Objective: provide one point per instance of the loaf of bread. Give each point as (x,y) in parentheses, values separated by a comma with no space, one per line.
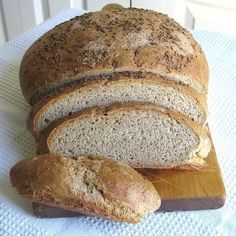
(124,87)
(140,135)
(89,185)
(101,43)
(129,85)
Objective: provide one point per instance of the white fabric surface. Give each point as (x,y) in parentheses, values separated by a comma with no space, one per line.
(15,143)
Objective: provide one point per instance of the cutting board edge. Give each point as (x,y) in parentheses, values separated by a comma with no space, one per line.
(169,205)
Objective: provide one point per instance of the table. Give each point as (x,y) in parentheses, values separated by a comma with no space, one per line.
(16,216)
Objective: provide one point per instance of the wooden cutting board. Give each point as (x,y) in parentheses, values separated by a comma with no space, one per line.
(180,190)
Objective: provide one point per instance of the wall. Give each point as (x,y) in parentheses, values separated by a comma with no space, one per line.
(16,16)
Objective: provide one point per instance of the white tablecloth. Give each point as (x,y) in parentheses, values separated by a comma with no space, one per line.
(16,217)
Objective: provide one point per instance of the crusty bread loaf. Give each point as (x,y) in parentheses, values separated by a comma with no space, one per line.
(107,41)
(120,88)
(93,186)
(141,135)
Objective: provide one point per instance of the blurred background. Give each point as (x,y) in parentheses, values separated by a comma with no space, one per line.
(16,16)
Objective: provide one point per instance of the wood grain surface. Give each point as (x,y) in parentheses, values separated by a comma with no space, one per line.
(180,190)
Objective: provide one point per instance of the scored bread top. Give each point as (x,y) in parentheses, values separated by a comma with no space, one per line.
(61,103)
(90,185)
(201,150)
(107,41)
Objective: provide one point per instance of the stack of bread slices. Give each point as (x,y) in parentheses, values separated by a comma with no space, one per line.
(129,85)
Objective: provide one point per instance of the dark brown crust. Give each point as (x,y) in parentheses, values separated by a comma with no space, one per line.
(51,180)
(104,82)
(43,139)
(147,41)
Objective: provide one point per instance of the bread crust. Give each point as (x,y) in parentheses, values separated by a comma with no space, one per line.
(43,140)
(109,41)
(38,108)
(63,182)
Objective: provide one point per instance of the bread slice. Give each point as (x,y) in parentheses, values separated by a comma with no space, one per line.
(105,92)
(138,134)
(89,185)
(107,41)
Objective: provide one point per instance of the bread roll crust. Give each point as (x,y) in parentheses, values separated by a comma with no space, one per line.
(90,185)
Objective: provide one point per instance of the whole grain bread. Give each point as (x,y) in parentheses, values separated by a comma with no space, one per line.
(96,43)
(120,88)
(90,185)
(138,134)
